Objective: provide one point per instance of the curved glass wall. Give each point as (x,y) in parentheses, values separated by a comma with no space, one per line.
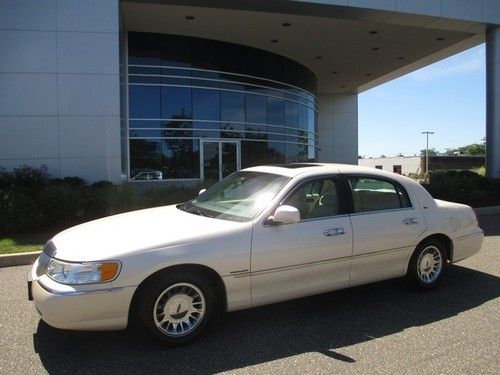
(196,103)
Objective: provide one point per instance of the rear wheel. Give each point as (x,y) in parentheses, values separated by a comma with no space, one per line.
(427,265)
(175,307)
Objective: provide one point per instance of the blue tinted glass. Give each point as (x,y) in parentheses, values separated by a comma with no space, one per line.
(256,108)
(275,111)
(145,156)
(180,158)
(143,124)
(291,153)
(232,106)
(206,104)
(275,153)
(291,114)
(144,102)
(176,102)
(311,118)
(303,117)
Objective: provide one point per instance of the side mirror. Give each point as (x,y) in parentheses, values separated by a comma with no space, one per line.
(202,191)
(285,215)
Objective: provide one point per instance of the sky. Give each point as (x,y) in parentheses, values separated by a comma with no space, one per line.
(447,97)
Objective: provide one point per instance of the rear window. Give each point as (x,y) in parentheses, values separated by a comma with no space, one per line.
(373,194)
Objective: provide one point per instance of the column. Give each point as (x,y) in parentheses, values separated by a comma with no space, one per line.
(493,102)
(338,128)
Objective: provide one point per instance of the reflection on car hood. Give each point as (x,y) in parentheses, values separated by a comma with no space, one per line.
(115,236)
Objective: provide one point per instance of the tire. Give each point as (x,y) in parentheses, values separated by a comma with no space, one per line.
(175,307)
(427,265)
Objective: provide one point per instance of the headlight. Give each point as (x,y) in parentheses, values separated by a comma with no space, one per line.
(82,273)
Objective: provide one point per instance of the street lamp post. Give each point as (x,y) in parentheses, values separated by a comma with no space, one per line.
(427,155)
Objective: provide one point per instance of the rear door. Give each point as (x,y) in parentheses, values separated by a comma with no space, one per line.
(385,227)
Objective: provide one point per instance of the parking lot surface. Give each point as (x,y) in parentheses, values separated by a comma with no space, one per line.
(378,328)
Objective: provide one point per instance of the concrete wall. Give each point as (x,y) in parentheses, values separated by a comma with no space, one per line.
(59,87)
(338,128)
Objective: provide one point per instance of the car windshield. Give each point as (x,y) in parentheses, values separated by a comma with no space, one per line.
(239,197)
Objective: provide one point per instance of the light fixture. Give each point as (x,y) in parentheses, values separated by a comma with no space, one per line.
(286,24)
(375,49)
(440,39)
(319,57)
(373,32)
(189,18)
(401,57)
(368,74)
(343,86)
(334,72)
(274,40)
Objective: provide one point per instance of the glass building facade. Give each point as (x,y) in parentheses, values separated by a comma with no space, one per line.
(201,109)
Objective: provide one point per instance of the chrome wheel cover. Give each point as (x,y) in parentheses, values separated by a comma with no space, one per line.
(429,264)
(179,309)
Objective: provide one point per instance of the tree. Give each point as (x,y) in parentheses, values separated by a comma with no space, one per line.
(472,149)
(432,152)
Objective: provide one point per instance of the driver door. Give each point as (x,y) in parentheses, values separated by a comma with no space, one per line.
(308,257)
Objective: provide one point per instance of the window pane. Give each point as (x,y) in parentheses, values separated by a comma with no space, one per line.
(180,158)
(371,194)
(256,115)
(275,153)
(206,104)
(275,111)
(315,199)
(253,153)
(145,159)
(144,102)
(232,106)
(303,117)
(176,102)
(291,114)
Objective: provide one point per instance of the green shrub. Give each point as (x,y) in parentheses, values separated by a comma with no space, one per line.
(465,187)
(31,201)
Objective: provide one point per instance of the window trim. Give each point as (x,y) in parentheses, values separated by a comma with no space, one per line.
(352,211)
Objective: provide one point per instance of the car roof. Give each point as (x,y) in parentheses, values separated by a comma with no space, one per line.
(297,169)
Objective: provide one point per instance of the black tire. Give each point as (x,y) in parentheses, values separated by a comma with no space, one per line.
(174,289)
(427,265)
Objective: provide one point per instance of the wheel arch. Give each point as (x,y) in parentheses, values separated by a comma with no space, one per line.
(444,239)
(213,276)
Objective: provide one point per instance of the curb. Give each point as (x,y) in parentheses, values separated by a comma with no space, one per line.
(18,259)
(487,210)
(22,259)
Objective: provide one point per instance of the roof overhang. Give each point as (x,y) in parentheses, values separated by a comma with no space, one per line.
(349,49)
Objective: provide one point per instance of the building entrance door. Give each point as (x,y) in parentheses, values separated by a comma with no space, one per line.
(219,159)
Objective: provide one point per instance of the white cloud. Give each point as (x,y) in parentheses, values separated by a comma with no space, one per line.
(462,64)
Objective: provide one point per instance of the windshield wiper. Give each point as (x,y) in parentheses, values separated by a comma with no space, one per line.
(192,209)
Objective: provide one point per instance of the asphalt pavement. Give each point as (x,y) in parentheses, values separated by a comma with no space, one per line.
(379,328)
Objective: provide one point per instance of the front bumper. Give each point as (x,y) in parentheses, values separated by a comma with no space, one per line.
(85,309)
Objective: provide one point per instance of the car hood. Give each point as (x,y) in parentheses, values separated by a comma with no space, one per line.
(137,231)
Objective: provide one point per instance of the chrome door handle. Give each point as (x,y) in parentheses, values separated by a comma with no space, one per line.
(334,232)
(410,220)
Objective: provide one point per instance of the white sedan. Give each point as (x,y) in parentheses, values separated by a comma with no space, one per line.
(262,235)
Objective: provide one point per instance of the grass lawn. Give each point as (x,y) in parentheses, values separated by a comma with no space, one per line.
(23,243)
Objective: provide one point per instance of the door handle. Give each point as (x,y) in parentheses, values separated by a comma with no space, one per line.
(334,232)
(410,220)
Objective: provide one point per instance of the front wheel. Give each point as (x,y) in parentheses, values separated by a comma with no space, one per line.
(427,265)
(176,307)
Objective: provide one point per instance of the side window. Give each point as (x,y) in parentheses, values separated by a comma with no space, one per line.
(372,194)
(315,199)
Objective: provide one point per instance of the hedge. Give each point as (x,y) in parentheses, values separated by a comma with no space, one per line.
(464,186)
(32,201)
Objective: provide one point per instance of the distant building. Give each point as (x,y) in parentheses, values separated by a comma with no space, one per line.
(416,164)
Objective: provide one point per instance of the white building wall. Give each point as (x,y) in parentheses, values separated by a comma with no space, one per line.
(338,128)
(59,87)
(409,164)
